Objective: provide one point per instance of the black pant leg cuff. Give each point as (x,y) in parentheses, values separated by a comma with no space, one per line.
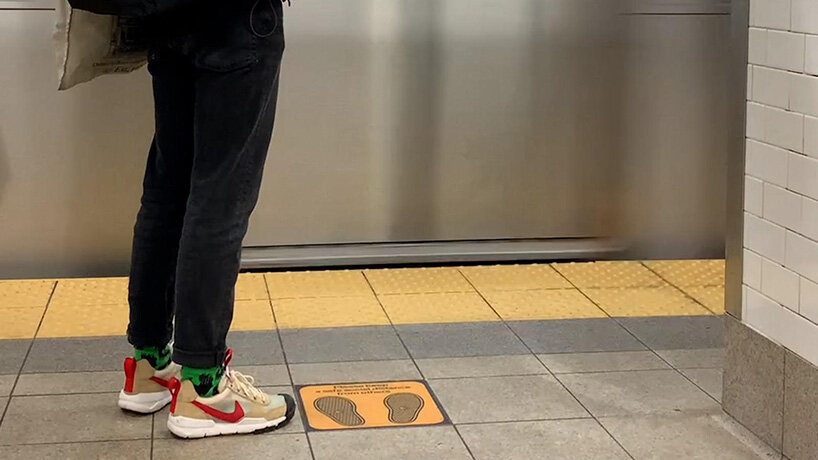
(199,360)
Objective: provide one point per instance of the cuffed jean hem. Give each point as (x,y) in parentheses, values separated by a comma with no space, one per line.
(198,360)
(145,342)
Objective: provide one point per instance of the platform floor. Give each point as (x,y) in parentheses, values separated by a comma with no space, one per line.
(568,361)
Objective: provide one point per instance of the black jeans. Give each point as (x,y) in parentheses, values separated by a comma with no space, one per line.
(215,75)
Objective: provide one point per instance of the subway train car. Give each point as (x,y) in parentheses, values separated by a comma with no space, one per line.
(430,131)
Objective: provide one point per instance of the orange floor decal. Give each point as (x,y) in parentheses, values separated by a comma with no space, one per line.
(369,405)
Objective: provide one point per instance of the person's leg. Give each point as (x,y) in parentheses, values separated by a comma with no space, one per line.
(237,60)
(159,222)
(156,236)
(236,86)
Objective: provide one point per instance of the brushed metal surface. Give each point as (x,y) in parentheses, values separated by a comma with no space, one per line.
(431,252)
(70,162)
(444,120)
(425,122)
(737,94)
(677,112)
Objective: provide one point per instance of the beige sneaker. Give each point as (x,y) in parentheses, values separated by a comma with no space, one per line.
(239,407)
(146,389)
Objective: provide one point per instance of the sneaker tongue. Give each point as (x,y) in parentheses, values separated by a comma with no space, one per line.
(223,383)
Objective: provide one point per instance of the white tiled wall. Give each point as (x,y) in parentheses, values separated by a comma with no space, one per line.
(781,182)
(811,55)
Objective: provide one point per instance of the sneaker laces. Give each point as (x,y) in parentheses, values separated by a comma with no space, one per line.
(244,385)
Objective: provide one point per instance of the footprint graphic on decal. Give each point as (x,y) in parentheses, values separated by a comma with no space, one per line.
(403,407)
(339,409)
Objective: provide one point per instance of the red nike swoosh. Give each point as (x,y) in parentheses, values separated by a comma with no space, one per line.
(163,382)
(238,412)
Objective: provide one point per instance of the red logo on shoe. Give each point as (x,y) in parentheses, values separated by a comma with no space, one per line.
(174,386)
(163,382)
(130,374)
(238,412)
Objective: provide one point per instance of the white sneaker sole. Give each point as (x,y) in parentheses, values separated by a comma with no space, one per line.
(185,427)
(144,403)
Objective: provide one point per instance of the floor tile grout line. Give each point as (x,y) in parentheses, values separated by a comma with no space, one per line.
(411,357)
(508,326)
(302,412)
(429,379)
(528,420)
(556,353)
(582,290)
(647,347)
(655,369)
(394,328)
(85,441)
(492,376)
(548,370)
(28,351)
(658,275)
(551,373)
(468,356)
(699,368)
(112,369)
(562,384)
(708,313)
(783,400)
(78,393)
(672,367)
(463,440)
(482,296)
(402,358)
(555,377)
(678,288)
(593,416)
(584,407)
(701,388)
(153,430)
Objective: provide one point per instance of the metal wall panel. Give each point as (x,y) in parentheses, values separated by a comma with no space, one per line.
(70,162)
(675,154)
(453,120)
(425,121)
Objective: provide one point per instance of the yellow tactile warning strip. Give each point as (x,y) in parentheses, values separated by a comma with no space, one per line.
(20,322)
(22,304)
(252,315)
(543,304)
(659,301)
(25,293)
(417,280)
(711,297)
(329,312)
(251,287)
(339,298)
(438,307)
(369,405)
(91,291)
(514,277)
(78,320)
(689,273)
(338,283)
(609,274)
(87,307)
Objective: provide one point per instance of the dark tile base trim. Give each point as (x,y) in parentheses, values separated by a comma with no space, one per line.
(754,382)
(771,391)
(800,408)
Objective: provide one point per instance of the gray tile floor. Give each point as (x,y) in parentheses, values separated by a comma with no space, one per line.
(578,389)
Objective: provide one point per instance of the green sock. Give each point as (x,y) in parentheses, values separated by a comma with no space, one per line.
(206,381)
(158,357)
